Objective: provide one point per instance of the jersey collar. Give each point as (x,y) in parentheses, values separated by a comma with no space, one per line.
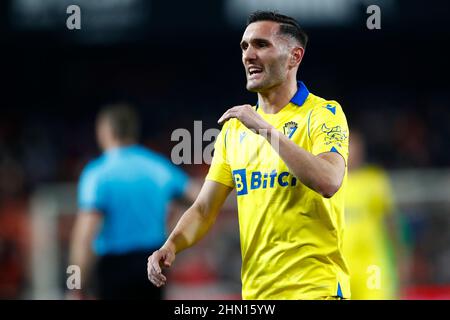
(299,97)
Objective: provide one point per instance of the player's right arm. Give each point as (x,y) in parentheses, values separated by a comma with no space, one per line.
(191,227)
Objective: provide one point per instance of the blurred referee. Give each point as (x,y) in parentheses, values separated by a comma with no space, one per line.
(123,197)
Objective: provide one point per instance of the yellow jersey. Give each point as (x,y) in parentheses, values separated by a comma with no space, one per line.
(291,236)
(366,248)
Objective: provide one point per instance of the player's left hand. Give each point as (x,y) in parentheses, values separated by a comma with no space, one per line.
(248,116)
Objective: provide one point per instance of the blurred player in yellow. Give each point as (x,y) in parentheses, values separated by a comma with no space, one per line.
(286,158)
(371,237)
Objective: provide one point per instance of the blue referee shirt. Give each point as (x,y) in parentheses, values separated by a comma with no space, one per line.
(132,186)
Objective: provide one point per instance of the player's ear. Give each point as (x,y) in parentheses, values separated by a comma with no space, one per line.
(296,56)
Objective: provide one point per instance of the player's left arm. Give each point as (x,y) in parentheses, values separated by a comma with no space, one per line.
(323,172)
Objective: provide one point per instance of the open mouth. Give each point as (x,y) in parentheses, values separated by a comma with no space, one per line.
(254,71)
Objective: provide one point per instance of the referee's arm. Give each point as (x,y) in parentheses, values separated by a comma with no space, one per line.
(81,254)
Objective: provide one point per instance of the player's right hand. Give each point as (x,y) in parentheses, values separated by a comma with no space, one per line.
(160,258)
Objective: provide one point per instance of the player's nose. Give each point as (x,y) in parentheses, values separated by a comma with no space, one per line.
(249,54)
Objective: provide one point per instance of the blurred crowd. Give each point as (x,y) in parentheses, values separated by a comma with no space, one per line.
(36,148)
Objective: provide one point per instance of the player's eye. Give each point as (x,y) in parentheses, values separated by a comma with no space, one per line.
(262,44)
(244,46)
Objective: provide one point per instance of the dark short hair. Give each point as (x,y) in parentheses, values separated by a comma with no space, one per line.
(123,120)
(288,26)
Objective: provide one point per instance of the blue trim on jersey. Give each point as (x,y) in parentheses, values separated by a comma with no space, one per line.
(339,291)
(333,149)
(331,108)
(299,97)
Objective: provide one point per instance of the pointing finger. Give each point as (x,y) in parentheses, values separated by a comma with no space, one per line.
(227,115)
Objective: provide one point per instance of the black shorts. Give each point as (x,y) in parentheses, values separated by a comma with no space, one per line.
(124,276)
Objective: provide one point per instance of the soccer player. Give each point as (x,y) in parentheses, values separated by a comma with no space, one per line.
(286,157)
(123,198)
(372,244)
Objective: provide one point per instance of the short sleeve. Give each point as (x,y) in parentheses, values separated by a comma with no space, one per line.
(328,129)
(179,181)
(90,195)
(220,170)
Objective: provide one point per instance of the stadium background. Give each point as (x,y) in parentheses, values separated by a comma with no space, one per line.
(180,61)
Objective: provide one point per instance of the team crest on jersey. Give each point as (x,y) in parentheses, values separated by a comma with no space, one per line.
(334,135)
(289,128)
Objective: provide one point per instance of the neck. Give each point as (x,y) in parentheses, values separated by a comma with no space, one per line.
(113,144)
(277,97)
